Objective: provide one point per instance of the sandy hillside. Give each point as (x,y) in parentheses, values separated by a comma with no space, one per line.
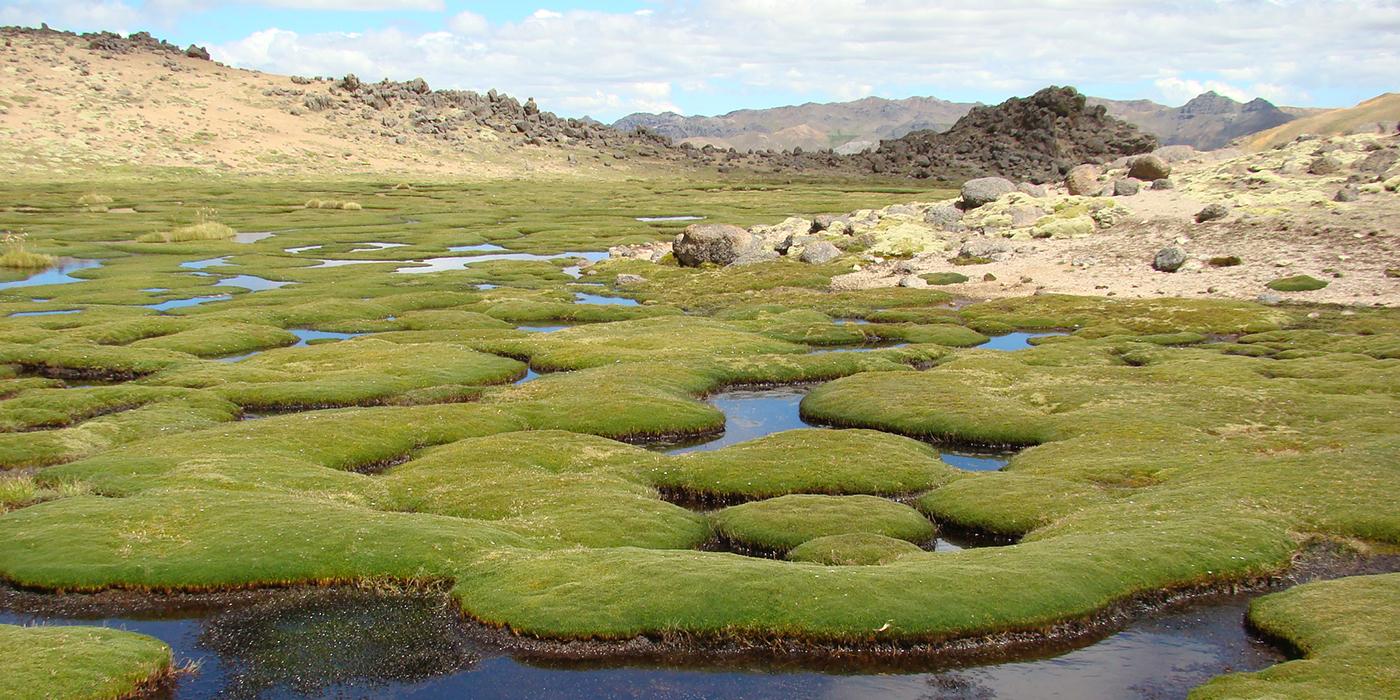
(66,107)
(1377,115)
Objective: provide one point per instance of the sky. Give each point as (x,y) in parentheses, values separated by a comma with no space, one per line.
(608,58)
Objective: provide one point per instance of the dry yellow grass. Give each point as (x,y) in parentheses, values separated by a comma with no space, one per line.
(1338,121)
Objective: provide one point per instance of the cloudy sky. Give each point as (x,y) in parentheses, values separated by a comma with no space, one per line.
(607,58)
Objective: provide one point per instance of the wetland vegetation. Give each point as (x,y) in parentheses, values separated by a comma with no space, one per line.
(344,406)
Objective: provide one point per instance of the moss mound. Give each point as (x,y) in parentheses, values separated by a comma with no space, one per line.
(83,663)
(779,524)
(1296,283)
(942,278)
(854,549)
(806,461)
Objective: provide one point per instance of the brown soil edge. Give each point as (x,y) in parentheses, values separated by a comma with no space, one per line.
(1320,559)
(160,683)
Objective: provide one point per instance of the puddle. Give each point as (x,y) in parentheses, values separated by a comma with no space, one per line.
(487,287)
(155,290)
(343,263)
(58,274)
(252,236)
(851,321)
(583,298)
(377,245)
(460,262)
(304,336)
(251,283)
(477,248)
(652,219)
(975,461)
(22,314)
(1013,341)
(238,358)
(300,249)
(540,329)
(207,262)
(345,643)
(182,303)
(530,375)
(749,414)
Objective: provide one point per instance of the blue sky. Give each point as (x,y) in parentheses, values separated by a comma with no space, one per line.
(607,58)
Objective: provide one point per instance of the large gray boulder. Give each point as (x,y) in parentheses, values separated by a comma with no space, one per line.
(720,244)
(984,190)
(1149,167)
(819,253)
(1083,180)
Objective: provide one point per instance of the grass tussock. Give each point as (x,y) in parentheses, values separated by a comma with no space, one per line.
(94,202)
(333,204)
(20,490)
(206,227)
(15,253)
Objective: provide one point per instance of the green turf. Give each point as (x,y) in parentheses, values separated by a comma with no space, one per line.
(81,663)
(1348,632)
(779,524)
(1169,443)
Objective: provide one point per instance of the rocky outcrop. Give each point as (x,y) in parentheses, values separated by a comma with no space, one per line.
(1037,138)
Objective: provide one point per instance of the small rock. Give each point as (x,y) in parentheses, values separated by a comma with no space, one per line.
(1031,189)
(913,282)
(1169,259)
(819,253)
(1083,180)
(1125,188)
(946,217)
(1212,212)
(983,247)
(756,255)
(1350,193)
(625,279)
(1149,167)
(1269,299)
(1163,184)
(984,190)
(1326,165)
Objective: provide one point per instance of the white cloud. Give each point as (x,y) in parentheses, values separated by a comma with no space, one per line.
(468,24)
(729,51)
(78,15)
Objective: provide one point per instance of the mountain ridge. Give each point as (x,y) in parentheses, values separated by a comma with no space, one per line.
(1207,121)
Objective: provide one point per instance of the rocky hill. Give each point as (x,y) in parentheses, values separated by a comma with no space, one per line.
(1207,122)
(844,126)
(72,102)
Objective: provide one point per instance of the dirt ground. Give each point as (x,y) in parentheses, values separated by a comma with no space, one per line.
(1283,223)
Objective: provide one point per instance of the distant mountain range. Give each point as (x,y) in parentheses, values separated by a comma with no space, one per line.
(1208,121)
